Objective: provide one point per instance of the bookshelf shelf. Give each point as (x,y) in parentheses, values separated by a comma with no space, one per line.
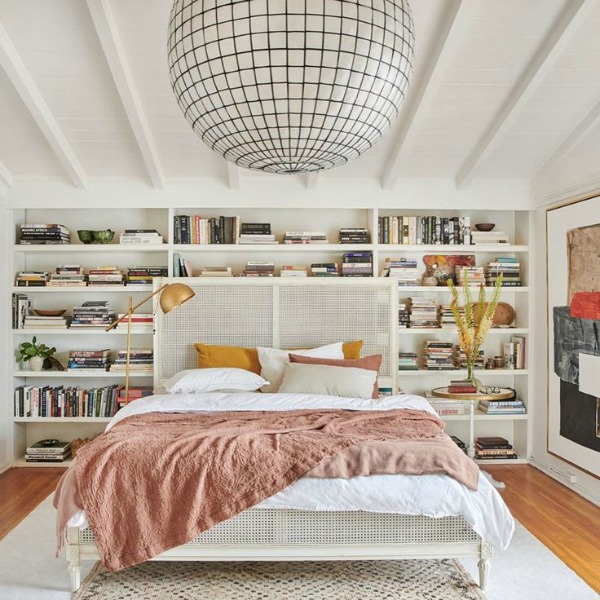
(225,248)
(78,331)
(461,373)
(76,375)
(89,289)
(61,419)
(89,249)
(480,416)
(447,331)
(405,289)
(453,248)
(21,462)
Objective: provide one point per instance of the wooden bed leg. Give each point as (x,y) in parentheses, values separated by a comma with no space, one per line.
(484,564)
(74,567)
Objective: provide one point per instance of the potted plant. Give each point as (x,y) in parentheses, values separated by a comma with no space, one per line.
(34,353)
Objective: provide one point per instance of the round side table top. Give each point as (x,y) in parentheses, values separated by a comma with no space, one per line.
(442,392)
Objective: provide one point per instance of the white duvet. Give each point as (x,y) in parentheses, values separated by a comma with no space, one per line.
(431,495)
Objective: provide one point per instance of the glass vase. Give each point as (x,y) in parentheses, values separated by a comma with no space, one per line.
(471,374)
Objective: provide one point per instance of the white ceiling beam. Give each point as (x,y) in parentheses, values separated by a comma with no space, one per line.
(312,180)
(420,98)
(233,176)
(557,156)
(568,24)
(30,94)
(106,28)
(6,178)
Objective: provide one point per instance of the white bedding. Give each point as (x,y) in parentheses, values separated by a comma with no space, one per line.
(431,495)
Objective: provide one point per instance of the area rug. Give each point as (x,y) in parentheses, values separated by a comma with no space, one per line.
(356,580)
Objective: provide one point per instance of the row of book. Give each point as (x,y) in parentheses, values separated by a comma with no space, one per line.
(441,355)
(140,360)
(430,230)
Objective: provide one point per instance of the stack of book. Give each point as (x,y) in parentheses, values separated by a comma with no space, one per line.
(32,278)
(475,276)
(93,313)
(21,307)
(294,271)
(140,323)
(38,322)
(141,360)
(258,268)
(216,272)
(53,233)
(257,233)
(493,448)
(324,270)
(403,314)
(106,276)
(483,238)
(68,276)
(502,407)
(135,393)
(357,264)
(48,451)
(305,237)
(445,407)
(140,236)
(88,360)
(514,352)
(404,270)
(461,386)
(509,267)
(460,359)
(447,320)
(354,235)
(424,230)
(145,275)
(407,361)
(438,355)
(424,313)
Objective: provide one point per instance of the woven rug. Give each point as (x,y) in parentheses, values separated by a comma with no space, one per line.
(356,580)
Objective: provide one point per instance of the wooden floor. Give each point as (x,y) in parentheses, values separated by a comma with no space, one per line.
(562,520)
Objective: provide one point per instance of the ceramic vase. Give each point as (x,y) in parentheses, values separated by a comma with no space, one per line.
(36,363)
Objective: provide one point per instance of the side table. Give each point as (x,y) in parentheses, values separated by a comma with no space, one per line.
(442,392)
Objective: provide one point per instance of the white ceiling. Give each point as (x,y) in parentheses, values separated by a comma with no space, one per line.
(502,89)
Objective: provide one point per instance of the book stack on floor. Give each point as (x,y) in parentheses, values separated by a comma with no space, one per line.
(32,278)
(438,355)
(509,268)
(258,268)
(354,235)
(475,276)
(21,307)
(140,236)
(45,322)
(48,451)
(407,361)
(484,238)
(88,360)
(145,275)
(324,270)
(357,264)
(93,313)
(293,271)
(423,313)
(305,237)
(514,352)
(403,314)
(404,270)
(460,359)
(141,360)
(68,276)
(106,276)
(216,272)
(256,233)
(135,393)
(493,448)
(53,233)
(140,323)
(461,386)
(502,407)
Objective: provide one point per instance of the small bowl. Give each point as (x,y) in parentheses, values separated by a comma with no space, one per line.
(86,236)
(485,226)
(104,236)
(49,313)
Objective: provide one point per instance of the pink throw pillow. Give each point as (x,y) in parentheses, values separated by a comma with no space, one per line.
(369,363)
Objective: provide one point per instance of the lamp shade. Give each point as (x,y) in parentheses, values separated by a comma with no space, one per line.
(290,86)
(175,295)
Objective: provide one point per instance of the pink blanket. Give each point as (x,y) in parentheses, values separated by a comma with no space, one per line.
(157,480)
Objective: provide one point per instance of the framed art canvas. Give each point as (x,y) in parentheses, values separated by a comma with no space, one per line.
(573,255)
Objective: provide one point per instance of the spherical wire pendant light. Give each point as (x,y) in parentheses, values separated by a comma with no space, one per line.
(290,86)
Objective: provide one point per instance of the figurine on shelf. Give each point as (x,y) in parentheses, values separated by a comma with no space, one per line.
(429,278)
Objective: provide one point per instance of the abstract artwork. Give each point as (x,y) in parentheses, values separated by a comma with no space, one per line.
(573,252)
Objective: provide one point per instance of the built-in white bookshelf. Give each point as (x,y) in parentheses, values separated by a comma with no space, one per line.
(517,224)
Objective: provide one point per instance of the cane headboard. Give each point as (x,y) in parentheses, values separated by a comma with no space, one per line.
(279,313)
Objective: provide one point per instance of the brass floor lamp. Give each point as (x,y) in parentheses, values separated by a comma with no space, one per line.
(172,295)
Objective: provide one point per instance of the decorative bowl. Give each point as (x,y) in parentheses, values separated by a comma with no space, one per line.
(485,226)
(86,236)
(104,236)
(49,313)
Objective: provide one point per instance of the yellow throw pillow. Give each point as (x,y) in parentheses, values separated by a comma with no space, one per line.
(352,349)
(228,356)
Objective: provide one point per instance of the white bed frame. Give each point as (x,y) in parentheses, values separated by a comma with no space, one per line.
(292,313)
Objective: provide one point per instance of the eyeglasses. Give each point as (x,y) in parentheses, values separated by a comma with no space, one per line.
(490,390)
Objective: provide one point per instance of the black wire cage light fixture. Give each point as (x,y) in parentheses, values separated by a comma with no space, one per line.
(290,86)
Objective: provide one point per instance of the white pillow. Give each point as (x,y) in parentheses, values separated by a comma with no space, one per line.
(196,381)
(347,382)
(274,360)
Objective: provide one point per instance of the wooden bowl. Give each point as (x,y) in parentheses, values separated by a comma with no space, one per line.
(49,313)
(485,226)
